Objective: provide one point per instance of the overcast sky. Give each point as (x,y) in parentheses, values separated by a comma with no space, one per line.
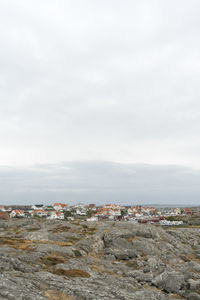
(109,88)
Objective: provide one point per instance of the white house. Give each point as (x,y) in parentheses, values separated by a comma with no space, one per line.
(91,207)
(17,213)
(37,206)
(115,212)
(79,206)
(81,212)
(39,213)
(57,215)
(60,206)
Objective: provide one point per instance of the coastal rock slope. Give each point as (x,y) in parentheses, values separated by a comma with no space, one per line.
(43,259)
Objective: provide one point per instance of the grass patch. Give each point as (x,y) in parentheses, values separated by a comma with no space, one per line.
(60,229)
(175,296)
(52,259)
(71,273)
(32,229)
(77,253)
(21,244)
(96,268)
(72,239)
(85,226)
(56,295)
(133,264)
(193,257)
(92,229)
(18,244)
(63,244)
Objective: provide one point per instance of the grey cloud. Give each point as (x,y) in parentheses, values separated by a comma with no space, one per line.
(100,182)
(101,80)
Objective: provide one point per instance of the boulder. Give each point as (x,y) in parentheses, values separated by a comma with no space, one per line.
(169,281)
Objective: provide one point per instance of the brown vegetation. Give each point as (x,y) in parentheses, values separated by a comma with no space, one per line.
(60,229)
(52,259)
(70,273)
(18,244)
(56,295)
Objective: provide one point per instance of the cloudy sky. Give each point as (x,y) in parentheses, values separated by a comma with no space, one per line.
(99,101)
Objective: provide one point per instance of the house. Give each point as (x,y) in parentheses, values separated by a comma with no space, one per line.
(57,215)
(114,212)
(108,211)
(8,209)
(132,210)
(17,213)
(37,206)
(81,211)
(102,212)
(79,206)
(177,211)
(39,212)
(148,210)
(92,207)
(113,206)
(141,210)
(187,211)
(60,206)
(49,207)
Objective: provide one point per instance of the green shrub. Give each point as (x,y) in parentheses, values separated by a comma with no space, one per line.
(77,253)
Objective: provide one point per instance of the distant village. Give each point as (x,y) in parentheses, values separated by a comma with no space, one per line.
(92,213)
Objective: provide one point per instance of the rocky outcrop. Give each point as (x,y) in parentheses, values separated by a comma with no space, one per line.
(105,260)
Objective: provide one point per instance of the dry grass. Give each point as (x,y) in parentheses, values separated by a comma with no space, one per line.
(103,271)
(32,229)
(193,257)
(22,244)
(18,244)
(72,239)
(96,268)
(95,255)
(70,273)
(133,238)
(60,229)
(77,223)
(63,244)
(155,289)
(92,228)
(56,295)
(133,264)
(87,230)
(175,296)
(52,259)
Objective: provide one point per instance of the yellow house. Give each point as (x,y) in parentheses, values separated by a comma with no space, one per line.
(177,211)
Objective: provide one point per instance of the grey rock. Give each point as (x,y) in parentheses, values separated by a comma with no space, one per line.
(193,296)
(194,284)
(170,281)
